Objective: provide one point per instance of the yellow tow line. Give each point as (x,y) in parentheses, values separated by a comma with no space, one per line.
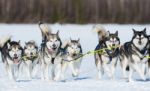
(100,51)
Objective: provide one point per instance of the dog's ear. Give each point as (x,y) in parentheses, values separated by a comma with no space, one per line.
(144,30)
(19,42)
(70,39)
(25,46)
(116,33)
(108,33)
(8,45)
(134,31)
(78,40)
(26,43)
(57,33)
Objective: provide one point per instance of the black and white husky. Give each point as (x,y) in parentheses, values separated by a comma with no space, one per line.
(30,58)
(107,52)
(71,57)
(133,54)
(11,52)
(50,48)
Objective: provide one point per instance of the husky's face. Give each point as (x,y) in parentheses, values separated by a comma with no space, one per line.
(74,48)
(53,42)
(15,51)
(140,38)
(112,40)
(30,49)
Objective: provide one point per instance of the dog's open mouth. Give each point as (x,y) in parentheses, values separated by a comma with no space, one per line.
(16,60)
(54,48)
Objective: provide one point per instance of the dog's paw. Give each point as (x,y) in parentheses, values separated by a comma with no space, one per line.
(74,75)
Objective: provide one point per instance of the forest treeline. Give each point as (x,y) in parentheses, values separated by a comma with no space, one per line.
(75,11)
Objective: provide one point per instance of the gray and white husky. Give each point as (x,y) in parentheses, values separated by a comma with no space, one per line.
(50,48)
(107,52)
(30,58)
(71,57)
(133,54)
(11,52)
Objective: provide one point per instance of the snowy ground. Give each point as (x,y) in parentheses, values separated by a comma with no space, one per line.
(87,80)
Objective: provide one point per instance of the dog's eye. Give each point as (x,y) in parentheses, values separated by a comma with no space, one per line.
(142,37)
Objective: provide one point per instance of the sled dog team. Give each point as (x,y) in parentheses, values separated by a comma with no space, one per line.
(54,57)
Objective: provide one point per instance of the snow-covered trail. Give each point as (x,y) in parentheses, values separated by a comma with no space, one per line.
(87,80)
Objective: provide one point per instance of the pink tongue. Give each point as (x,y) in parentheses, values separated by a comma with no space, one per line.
(16,60)
(50,50)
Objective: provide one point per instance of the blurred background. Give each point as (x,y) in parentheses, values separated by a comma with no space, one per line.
(75,11)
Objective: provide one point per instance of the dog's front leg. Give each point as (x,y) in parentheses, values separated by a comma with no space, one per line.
(113,67)
(71,65)
(46,73)
(35,69)
(136,67)
(124,66)
(10,72)
(130,74)
(16,71)
(76,66)
(143,68)
(107,70)
(28,69)
(63,70)
(52,69)
(57,72)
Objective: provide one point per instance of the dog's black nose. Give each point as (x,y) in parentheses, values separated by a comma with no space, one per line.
(54,45)
(113,44)
(140,42)
(74,54)
(15,55)
(31,53)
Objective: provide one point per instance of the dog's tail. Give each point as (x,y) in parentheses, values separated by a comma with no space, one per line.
(4,40)
(45,30)
(65,43)
(102,33)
